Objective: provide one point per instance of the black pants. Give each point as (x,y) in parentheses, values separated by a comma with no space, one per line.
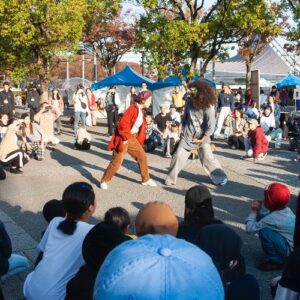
(237,141)
(15,159)
(112,120)
(32,112)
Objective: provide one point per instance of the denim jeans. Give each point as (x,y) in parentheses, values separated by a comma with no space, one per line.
(274,245)
(82,115)
(275,135)
(17,264)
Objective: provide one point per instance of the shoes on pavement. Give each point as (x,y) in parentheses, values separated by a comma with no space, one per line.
(150,182)
(297,158)
(270,266)
(223,182)
(262,156)
(103,186)
(277,146)
(16,171)
(233,147)
(168,155)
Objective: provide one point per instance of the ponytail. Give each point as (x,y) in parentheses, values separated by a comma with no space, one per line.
(67,226)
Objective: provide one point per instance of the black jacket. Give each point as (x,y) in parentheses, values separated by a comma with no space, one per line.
(7,102)
(226,100)
(5,249)
(33,99)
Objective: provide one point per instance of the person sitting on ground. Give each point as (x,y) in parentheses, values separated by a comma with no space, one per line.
(158,266)
(238,129)
(46,118)
(98,243)
(294,126)
(82,139)
(275,227)
(4,122)
(251,112)
(199,212)
(256,145)
(171,138)
(52,209)
(120,217)
(33,138)
(268,124)
(224,246)
(151,134)
(11,156)
(156,218)
(175,115)
(160,122)
(10,264)
(61,245)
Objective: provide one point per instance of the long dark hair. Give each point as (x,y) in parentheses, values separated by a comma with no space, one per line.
(76,199)
(58,95)
(297,225)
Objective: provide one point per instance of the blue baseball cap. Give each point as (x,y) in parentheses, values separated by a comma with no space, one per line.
(158,267)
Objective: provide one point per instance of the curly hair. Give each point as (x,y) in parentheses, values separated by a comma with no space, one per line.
(202,94)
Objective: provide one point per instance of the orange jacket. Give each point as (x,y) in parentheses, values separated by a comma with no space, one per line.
(123,129)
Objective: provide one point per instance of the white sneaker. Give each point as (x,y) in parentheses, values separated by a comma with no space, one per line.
(262,156)
(150,182)
(223,182)
(103,186)
(277,146)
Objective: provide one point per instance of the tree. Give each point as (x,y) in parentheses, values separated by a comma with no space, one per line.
(257,31)
(34,31)
(110,39)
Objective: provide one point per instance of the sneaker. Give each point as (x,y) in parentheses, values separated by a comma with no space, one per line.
(233,147)
(150,182)
(277,146)
(223,182)
(297,158)
(16,171)
(270,266)
(262,156)
(103,186)
(168,183)
(168,155)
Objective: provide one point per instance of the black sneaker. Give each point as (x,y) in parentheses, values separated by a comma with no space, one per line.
(16,171)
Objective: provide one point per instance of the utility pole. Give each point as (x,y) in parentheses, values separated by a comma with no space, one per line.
(68,70)
(83,69)
(95,68)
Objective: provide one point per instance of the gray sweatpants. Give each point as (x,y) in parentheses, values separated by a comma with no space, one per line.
(210,164)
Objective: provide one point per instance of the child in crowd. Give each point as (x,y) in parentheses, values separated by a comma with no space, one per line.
(82,139)
(160,122)
(61,245)
(268,124)
(275,227)
(151,134)
(256,145)
(175,115)
(120,217)
(172,138)
(10,264)
(294,125)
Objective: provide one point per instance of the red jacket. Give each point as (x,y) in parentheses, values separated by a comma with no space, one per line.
(123,129)
(258,141)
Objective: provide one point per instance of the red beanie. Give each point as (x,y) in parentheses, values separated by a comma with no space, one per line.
(143,96)
(277,196)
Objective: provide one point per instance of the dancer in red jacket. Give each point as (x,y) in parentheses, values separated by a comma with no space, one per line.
(129,137)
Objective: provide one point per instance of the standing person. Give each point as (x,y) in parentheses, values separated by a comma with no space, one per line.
(199,124)
(275,93)
(129,137)
(130,98)
(66,99)
(112,103)
(177,99)
(92,105)
(33,100)
(240,96)
(161,121)
(144,87)
(7,101)
(275,109)
(57,103)
(284,97)
(80,107)
(224,106)
(61,245)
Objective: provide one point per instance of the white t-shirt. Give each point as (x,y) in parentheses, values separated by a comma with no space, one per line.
(138,123)
(176,117)
(61,261)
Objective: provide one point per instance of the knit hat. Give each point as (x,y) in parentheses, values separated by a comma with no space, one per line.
(158,267)
(156,218)
(277,196)
(143,96)
(197,195)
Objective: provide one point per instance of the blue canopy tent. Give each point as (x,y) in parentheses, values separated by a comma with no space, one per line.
(289,80)
(127,77)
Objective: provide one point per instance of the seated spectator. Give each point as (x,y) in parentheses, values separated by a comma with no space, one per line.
(251,111)
(294,125)
(4,122)
(120,217)
(223,245)
(11,156)
(275,227)
(10,264)
(52,209)
(33,138)
(172,138)
(160,122)
(46,118)
(158,267)
(156,218)
(98,243)
(198,212)
(238,129)
(82,139)
(256,145)
(61,245)
(174,114)
(151,134)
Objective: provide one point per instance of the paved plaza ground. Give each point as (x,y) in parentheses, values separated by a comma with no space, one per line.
(22,196)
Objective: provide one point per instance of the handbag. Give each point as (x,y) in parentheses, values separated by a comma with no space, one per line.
(83,105)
